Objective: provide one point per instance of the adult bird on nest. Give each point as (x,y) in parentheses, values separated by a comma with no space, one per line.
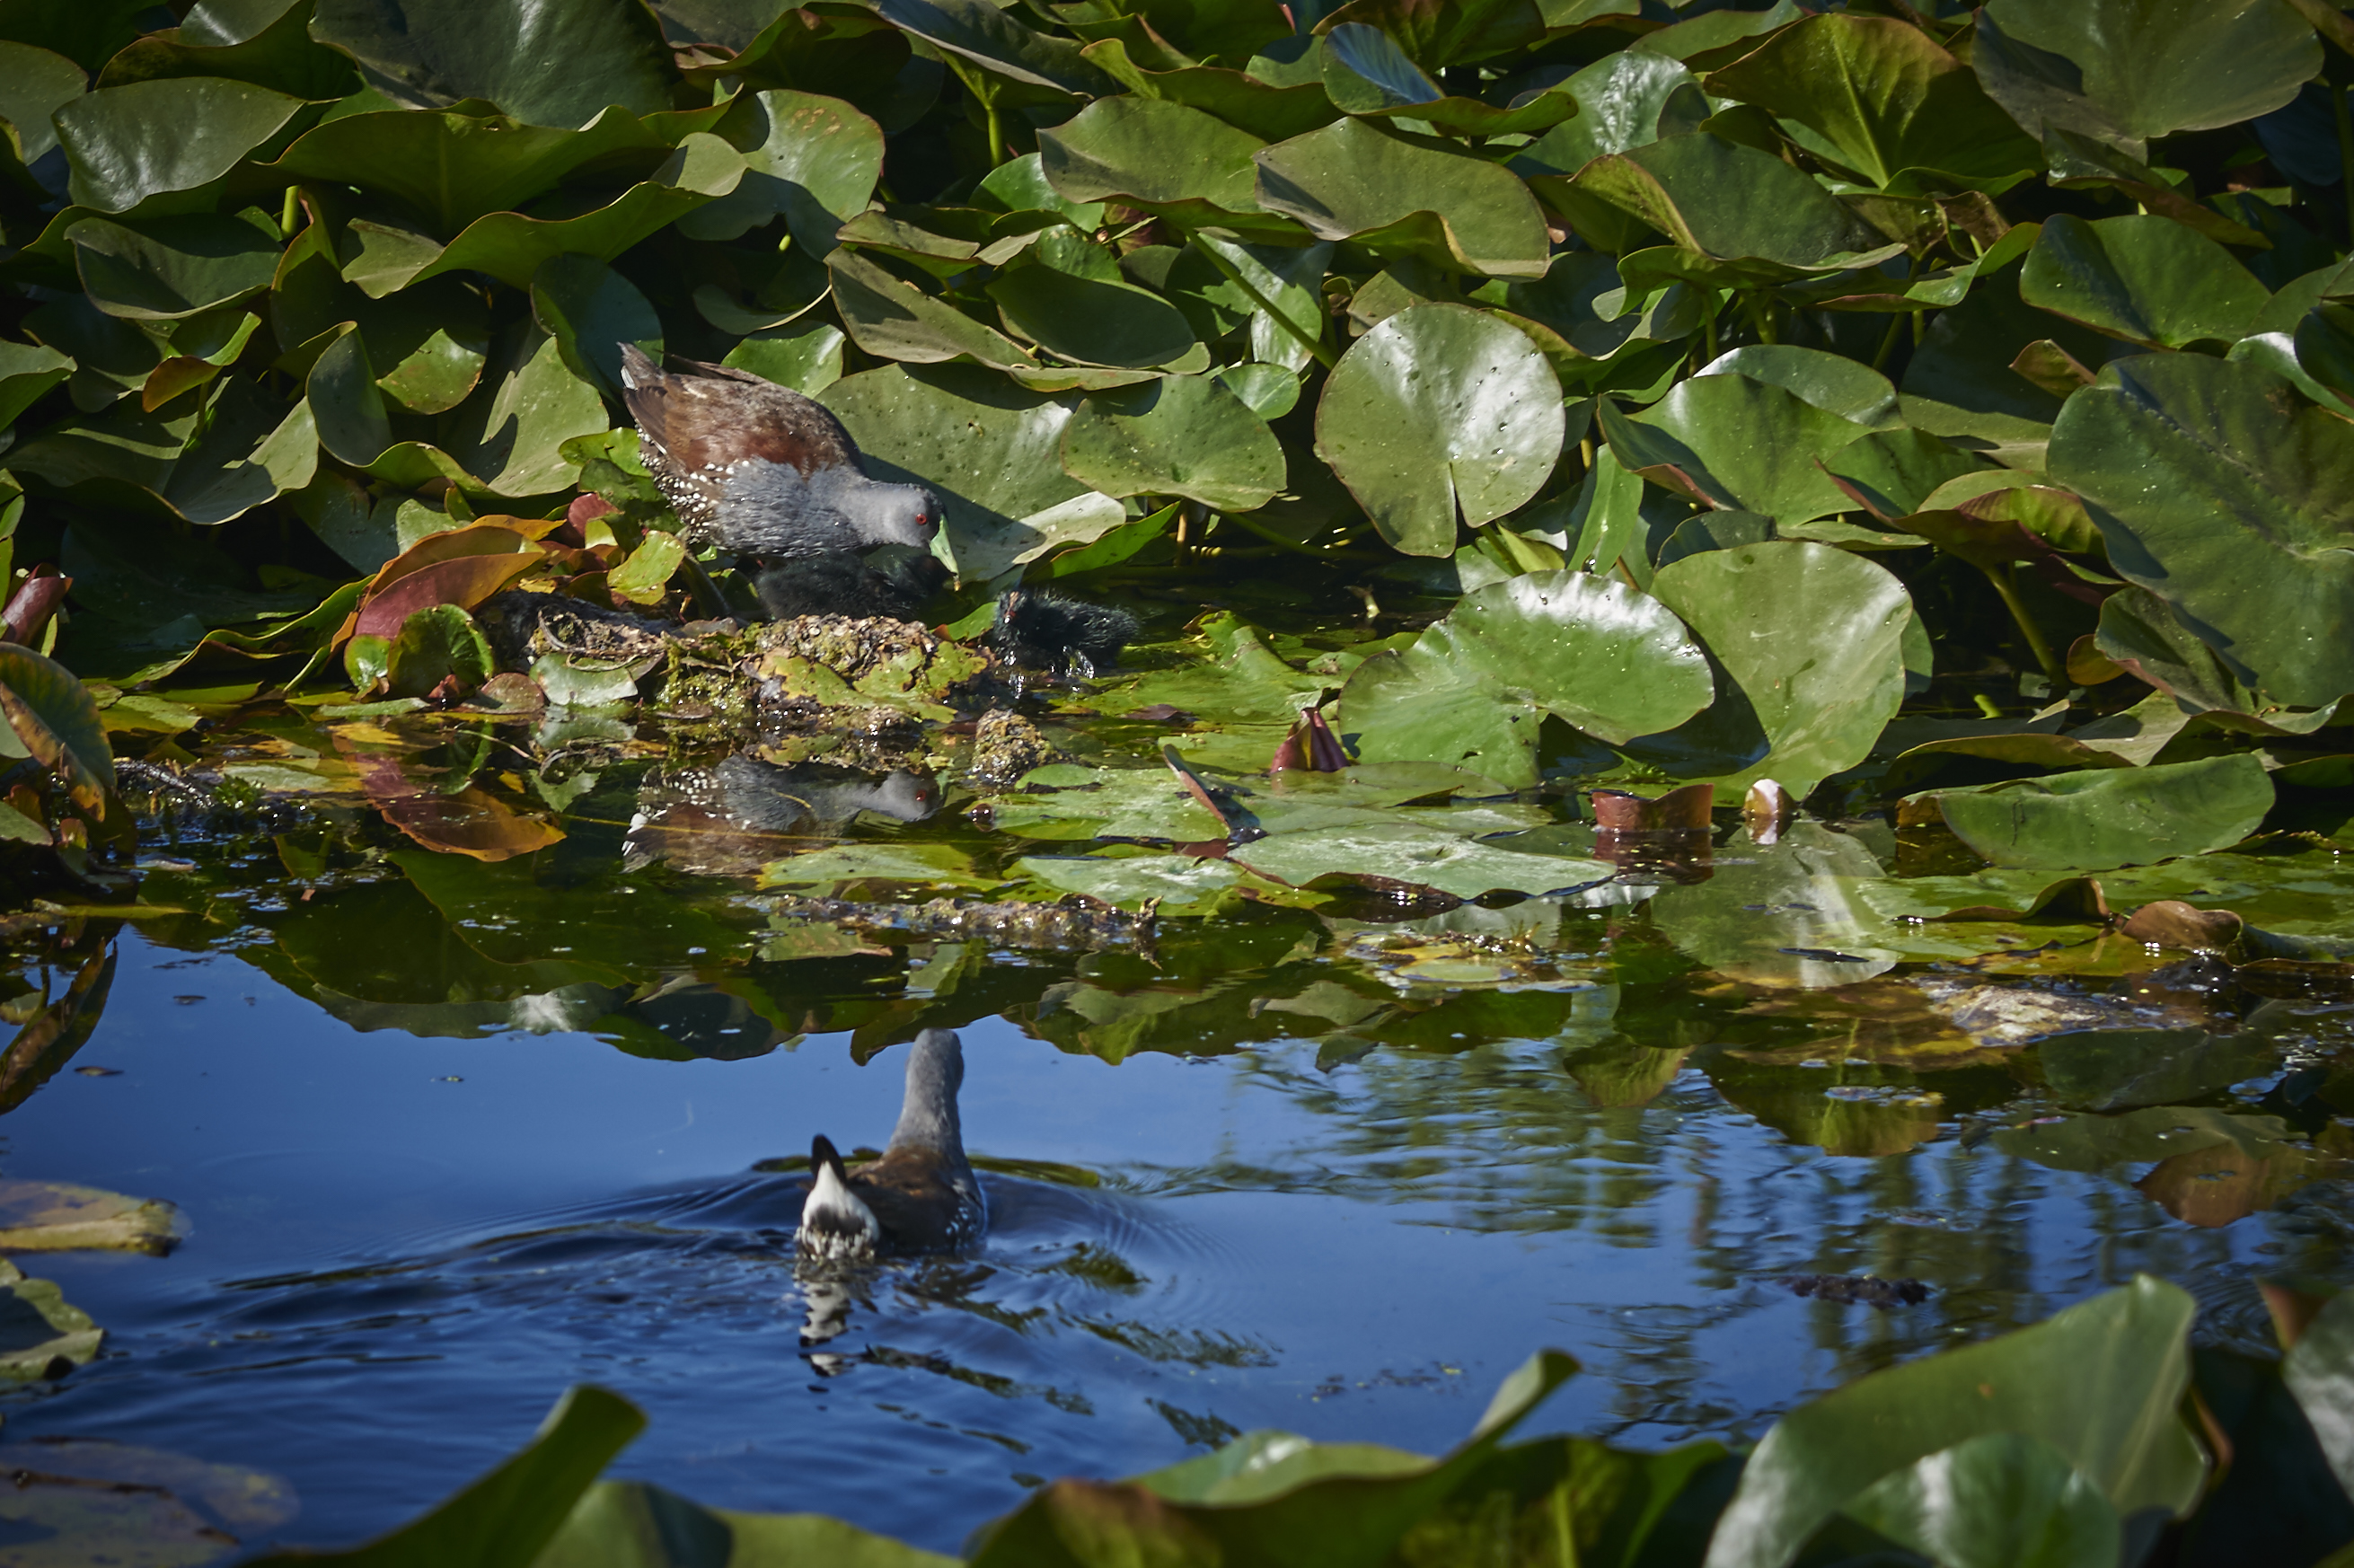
(759,470)
(921,1195)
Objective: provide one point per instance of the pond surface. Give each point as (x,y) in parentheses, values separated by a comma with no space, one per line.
(451,1136)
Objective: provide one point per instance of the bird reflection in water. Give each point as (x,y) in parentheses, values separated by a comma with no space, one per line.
(919,1197)
(733,817)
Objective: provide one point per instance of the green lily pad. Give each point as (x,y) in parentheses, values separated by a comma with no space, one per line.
(1180,435)
(168,267)
(592,311)
(1092,320)
(1425,857)
(1421,704)
(1624,99)
(2146,70)
(1881,97)
(2099,1381)
(2147,279)
(1712,198)
(2002,1499)
(1412,195)
(942,866)
(892,319)
(996,42)
(1741,444)
(1785,915)
(151,139)
(811,159)
(1440,411)
(557,67)
(2109,817)
(2217,487)
(449,170)
(437,644)
(510,433)
(1160,157)
(1174,883)
(1109,802)
(1613,662)
(42,1335)
(1810,643)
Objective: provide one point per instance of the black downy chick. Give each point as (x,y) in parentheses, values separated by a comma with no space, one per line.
(893,581)
(1046,632)
(759,470)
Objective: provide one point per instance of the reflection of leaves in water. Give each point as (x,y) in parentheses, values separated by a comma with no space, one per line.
(1204,1431)
(1190,1347)
(1066,1400)
(51,1036)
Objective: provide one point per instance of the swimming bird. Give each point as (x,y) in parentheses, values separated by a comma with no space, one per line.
(921,1196)
(1041,630)
(759,470)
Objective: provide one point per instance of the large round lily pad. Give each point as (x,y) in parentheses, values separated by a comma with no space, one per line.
(1440,409)
(1615,663)
(1811,641)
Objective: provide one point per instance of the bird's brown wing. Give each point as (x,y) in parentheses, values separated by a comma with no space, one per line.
(704,422)
(910,1200)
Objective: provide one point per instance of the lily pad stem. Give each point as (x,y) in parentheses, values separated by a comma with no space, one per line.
(2007,585)
(1314,345)
(2345,151)
(1272,537)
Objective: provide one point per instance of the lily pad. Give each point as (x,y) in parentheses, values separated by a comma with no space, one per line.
(1881,97)
(1810,640)
(51,1216)
(1424,857)
(2099,1381)
(1180,435)
(2146,279)
(1613,662)
(1440,411)
(2146,70)
(153,139)
(1414,194)
(2218,488)
(42,1336)
(1731,442)
(545,66)
(1160,157)
(929,864)
(2107,817)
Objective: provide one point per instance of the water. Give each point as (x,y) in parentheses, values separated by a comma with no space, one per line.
(1290,1168)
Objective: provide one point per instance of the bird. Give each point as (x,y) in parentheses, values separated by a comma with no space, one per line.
(921,1195)
(759,470)
(893,581)
(1039,630)
(732,817)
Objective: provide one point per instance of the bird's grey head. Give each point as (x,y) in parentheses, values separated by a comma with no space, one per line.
(927,1117)
(911,798)
(892,513)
